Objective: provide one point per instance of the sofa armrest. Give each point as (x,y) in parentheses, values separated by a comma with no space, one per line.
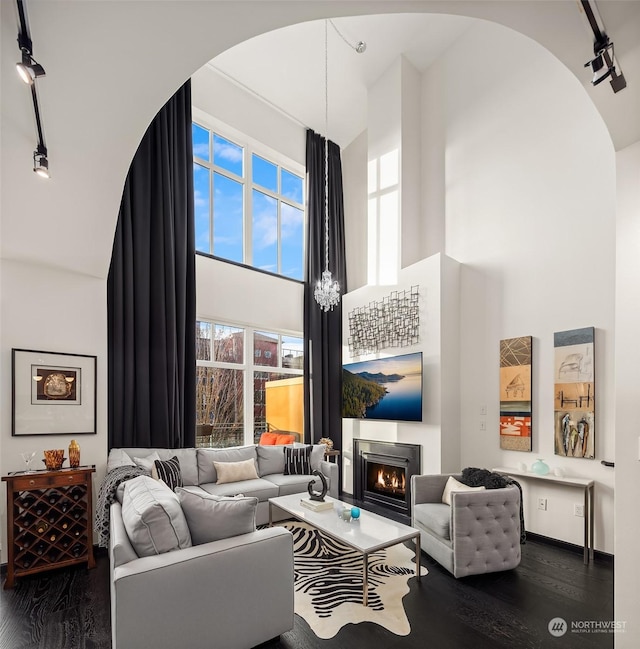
(330,470)
(203,593)
(428,488)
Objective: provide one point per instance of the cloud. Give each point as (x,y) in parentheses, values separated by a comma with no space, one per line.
(228,151)
(201,150)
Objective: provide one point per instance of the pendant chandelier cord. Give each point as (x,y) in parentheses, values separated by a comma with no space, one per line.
(326,147)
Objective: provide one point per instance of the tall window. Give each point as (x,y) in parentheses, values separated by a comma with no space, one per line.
(248,381)
(248,207)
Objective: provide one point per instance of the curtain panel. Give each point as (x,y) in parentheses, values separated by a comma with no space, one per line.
(151,290)
(323,331)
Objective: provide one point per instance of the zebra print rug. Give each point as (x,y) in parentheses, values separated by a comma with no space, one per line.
(328,583)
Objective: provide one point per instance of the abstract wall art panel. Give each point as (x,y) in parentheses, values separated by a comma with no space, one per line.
(515,393)
(574,393)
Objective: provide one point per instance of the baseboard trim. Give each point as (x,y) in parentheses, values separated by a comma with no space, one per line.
(571,547)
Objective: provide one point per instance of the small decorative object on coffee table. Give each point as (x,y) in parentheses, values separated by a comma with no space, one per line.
(317,495)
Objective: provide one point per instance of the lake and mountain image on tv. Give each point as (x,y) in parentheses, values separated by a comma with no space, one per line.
(385,388)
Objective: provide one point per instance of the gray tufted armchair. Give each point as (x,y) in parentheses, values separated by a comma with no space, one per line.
(478,533)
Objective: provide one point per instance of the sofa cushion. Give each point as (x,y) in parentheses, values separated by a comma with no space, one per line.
(118,458)
(435,517)
(283,439)
(235,471)
(317,454)
(296,460)
(186,456)
(270,460)
(207,472)
(153,517)
(169,472)
(454,485)
(211,518)
(262,489)
(148,461)
(293,484)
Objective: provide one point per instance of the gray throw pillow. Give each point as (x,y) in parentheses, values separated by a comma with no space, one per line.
(211,518)
(153,517)
(207,472)
(270,460)
(317,454)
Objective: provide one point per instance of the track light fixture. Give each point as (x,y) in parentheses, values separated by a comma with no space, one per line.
(29,70)
(604,63)
(40,162)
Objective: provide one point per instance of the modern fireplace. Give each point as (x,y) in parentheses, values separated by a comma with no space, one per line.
(383,471)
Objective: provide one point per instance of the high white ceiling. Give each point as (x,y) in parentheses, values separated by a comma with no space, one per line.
(286,66)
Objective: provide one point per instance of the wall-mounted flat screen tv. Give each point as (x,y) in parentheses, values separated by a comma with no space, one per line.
(386,388)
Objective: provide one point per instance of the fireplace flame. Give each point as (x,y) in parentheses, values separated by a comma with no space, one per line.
(390,481)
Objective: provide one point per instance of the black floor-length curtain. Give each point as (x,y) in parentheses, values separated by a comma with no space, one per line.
(151,290)
(323,330)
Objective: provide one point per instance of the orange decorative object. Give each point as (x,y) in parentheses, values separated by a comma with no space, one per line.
(53,459)
(268,439)
(285,439)
(74,454)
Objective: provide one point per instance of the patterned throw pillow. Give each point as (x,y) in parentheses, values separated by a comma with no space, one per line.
(296,460)
(169,472)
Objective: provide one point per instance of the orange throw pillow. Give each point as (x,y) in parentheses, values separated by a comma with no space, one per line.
(269,439)
(285,439)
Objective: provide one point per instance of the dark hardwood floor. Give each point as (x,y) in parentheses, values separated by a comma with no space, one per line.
(69,609)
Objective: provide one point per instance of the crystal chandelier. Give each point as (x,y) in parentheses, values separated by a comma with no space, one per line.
(327,293)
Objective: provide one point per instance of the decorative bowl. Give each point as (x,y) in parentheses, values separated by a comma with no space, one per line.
(53,459)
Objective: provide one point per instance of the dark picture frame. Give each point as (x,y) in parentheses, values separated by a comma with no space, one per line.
(53,393)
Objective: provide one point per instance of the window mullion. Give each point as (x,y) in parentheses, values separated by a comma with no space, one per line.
(248,215)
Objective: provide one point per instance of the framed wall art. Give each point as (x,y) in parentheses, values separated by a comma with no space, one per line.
(575,392)
(515,393)
(52,393)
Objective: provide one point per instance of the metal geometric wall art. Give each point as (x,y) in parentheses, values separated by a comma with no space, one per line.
(392,322)
(574,391)
(515,393)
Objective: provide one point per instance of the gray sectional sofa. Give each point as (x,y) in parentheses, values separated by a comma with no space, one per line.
(198,471)
(229,593)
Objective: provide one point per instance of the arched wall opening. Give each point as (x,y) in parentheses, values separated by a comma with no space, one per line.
(56,239)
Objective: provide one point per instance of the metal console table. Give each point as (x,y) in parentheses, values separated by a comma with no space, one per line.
(586,485)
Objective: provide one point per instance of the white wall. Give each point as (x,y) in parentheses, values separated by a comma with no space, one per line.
(436,433)
(627,471)
(64,312)
(529,186)
(239,295)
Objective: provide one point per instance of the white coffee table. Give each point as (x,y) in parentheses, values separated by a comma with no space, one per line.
(366,534)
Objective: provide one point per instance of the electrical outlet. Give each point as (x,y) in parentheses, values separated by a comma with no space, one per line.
(542,504)
(578,510)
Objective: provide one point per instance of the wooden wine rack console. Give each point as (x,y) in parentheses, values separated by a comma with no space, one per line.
(48,521)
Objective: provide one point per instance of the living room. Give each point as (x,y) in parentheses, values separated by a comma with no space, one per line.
(528,179)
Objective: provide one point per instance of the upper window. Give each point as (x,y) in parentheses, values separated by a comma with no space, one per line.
(248,208)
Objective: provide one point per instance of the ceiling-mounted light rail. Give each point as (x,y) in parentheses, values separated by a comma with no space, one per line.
(604,64)
(30,70)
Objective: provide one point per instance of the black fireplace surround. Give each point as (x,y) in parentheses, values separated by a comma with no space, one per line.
(382,473)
